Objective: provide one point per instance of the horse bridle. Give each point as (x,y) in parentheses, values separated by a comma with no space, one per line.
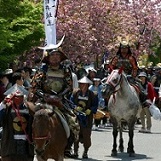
(47,137)
(115,85)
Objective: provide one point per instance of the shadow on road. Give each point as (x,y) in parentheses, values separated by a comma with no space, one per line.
(125,157)
(89,159)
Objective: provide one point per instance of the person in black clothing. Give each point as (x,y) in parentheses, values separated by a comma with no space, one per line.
(86,102)
(17,125)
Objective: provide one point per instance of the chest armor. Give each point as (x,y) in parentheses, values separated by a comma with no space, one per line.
(20,120)
(82,101)
(55,81)
(126,64)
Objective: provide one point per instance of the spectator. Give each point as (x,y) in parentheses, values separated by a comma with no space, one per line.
(27,77)
(2,87)
(148,87)
(96,87)
(5,82)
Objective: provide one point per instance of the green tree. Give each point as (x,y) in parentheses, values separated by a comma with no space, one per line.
(20,27)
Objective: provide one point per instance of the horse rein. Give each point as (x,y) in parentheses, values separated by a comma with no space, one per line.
(115,85)
(48,137)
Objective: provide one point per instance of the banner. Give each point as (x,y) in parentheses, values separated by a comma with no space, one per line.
(50,17)
(50,13)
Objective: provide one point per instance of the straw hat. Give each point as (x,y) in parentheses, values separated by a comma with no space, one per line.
(85,80)
(17,90)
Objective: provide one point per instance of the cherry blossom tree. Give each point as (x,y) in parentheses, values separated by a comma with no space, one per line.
(92,27)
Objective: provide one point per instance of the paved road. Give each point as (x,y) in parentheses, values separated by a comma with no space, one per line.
(147,146)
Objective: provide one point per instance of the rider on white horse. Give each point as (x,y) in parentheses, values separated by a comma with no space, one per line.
(124,58)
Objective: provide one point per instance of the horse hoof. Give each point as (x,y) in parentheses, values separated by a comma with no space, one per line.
(131,154)
(121,149)
(114,153)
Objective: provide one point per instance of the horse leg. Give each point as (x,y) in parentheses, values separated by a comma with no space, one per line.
(61,158)
(115,133)
(121,146)
(130,148)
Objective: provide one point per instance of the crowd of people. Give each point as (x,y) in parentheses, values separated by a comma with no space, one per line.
(80,84)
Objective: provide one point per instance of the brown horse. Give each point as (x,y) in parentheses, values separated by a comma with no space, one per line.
(49,135)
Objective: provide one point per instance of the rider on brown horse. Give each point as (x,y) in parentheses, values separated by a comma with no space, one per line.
(55,84)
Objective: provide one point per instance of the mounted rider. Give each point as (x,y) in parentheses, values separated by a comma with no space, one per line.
(56,87)
(125,58)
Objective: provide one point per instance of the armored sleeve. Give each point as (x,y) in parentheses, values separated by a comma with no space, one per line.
(134,66)
(114,62)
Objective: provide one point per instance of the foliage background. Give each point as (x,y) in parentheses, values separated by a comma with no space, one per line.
(20,27)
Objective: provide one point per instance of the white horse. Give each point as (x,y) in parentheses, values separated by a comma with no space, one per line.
(123,105)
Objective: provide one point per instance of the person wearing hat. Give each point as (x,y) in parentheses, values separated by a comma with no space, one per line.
(104,70)
(124,58)
(17,124)
(96,87)
(55,80)
(86,103)
(145,113)
(91,73)
(56,84)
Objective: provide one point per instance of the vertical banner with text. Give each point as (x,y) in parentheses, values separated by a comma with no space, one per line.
(50,16)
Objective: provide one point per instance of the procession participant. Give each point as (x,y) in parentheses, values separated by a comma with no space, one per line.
(16,123)
(124,58)
(55,85)
(86,103)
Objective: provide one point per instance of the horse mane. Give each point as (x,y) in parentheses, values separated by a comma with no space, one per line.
(125,77)
(46,107)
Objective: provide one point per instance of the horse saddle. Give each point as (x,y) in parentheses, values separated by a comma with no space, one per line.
(63,121)
(137,89)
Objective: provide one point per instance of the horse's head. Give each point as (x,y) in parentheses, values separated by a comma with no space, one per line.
(41,127)
(112,83)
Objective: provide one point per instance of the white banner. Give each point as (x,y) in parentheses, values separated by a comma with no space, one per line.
(50,15)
